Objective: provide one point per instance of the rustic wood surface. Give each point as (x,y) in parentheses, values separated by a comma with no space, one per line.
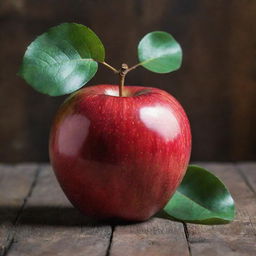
(237,238)
(216,84)
(37,219)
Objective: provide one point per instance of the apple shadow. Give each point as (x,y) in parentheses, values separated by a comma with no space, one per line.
(52,216)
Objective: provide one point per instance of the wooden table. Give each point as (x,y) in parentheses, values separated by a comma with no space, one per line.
(36,219)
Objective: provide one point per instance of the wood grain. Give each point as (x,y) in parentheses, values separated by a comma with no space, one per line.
(49,225)
(15,186)
(237,238)
(155,237)
(37,219)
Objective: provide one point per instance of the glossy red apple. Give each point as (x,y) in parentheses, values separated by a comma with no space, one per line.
(120,157)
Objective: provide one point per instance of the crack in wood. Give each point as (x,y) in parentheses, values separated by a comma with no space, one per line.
(6,248)
(110,240)
(11,235)
(28,195)
(187,237)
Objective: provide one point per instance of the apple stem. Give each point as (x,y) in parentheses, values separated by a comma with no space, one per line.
(122,74)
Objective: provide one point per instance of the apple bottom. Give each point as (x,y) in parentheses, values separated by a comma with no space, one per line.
(128,194)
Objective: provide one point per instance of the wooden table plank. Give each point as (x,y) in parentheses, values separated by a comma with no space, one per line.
(15,186)
(49,225)
(237,238)
(155,237)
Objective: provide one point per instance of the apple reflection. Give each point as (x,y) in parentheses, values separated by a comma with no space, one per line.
(70,138)
(160,120)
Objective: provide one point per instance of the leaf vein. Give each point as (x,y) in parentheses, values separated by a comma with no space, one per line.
(197,202)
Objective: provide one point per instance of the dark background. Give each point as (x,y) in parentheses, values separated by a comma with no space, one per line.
(216,84)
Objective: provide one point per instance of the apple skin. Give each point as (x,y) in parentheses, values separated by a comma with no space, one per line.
(120,157)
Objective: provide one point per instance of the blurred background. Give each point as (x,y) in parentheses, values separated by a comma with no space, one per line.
(216,84)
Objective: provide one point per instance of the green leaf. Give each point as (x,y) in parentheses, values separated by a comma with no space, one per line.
(62,60)
(201,198)
(159,52)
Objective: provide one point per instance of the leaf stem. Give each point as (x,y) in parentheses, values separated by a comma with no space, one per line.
(110,67)
(133,67)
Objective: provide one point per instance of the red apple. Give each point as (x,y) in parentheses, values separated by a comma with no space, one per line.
(120,157)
